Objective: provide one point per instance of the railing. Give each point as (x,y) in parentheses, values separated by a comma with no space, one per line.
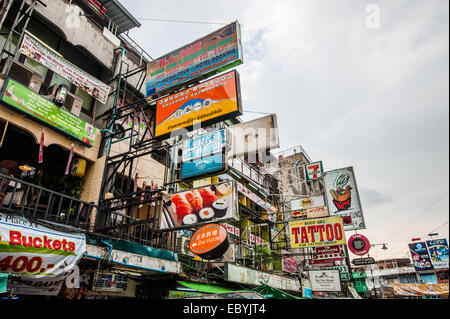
(294,150)
(259,176)
(35,202)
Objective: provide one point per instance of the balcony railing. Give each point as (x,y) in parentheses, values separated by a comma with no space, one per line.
(260,176)
(35,202)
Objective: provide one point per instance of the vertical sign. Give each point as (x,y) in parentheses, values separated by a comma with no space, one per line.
(343,198)
(438,251)
(420,256)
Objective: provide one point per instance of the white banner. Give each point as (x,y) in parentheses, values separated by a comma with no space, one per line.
(39,52)
(325,280)
(37,258)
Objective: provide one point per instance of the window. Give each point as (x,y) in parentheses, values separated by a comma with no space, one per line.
(58,80)
(36,67)
(88,101)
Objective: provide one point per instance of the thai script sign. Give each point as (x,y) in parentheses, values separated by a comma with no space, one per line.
(39,52)
(30,103)
(215,53)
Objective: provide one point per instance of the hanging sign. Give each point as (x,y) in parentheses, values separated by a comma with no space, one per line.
(210,242)
(40,257)
(359,245)
(343,198)
(313,171)
(41,53)
(328,252)
(363,261)
(210,102)
(215,53)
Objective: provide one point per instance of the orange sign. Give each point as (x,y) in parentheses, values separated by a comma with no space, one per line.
(208,240)
(207,103)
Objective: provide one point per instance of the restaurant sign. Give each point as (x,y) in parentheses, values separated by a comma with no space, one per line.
(215,53)
(187,209)
(205,104)
(41,53)
(23,99)
(40,258)
(317,232)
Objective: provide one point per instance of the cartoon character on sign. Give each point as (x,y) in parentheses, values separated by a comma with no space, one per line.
(342,196)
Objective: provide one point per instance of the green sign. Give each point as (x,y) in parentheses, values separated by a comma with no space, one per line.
(22,98)
(343,271)
(359,275)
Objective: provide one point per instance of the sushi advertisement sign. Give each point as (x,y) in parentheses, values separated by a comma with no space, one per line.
(317,232)
(210,102)
(214,203)
(40,258)
(212,54)
(343,198)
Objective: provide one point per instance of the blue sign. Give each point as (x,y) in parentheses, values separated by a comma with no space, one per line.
(203,166)
(204,146)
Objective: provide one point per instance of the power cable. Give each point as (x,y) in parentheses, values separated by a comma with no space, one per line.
(181,21)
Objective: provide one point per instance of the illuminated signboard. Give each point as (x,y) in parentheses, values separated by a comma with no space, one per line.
(210,102)
(215,53)
(210,242)
(317,232)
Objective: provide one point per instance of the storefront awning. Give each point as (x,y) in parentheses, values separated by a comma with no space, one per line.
(210,289)
(273,293)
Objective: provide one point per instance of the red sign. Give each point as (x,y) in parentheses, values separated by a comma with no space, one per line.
(328,252)
(324,262)
(359,245)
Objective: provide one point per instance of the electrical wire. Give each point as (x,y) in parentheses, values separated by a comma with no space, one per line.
(182,21)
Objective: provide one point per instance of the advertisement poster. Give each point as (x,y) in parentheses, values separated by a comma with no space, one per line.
(204,155)
(418,290)
(289,265)
(215,53)
(41,257)
(207,103)
(254,137)
(328,252)
(438,251)
(343,198)
(313,171)
(22,98)
(317,232)
(208,204)
(306,288)
(308,203)
(420,256)
(243,275)
(39,52)
(325,280)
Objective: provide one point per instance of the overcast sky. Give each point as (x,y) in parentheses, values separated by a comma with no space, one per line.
(350,93)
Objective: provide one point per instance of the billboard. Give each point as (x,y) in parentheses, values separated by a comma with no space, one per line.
(289,265)
(420,256)
(308,202)
(325,280)
(317,232)
(343,198)
(254,137)
(39,108)
(39,52)
(411,290)
(207,103)
(215,53)
(39,257)
(438,251)
(204,155)
(195,207)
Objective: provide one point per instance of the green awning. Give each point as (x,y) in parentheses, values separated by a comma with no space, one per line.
(273,293)
(210,289)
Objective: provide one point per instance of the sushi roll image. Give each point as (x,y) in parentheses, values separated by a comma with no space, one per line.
(220,207)
(206,214)
(190,219)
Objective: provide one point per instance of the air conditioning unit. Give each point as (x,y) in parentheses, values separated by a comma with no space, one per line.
(182,247)
(228,257)
(73,103)
(22,74)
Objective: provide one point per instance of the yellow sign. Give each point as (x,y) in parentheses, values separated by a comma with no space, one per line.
(420,289)
(317,232)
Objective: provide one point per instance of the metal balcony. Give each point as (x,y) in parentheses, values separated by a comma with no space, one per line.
(31,201)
